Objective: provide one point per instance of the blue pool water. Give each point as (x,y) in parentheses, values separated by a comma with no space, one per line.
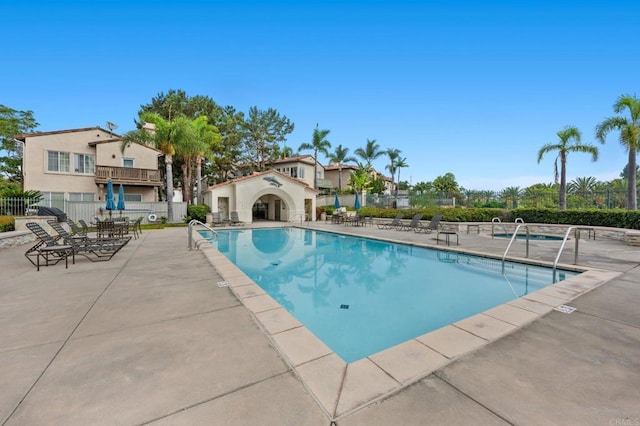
(361,296)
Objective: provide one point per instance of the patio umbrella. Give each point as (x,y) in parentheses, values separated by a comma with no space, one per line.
(336,203)
(121,199)
(356,205)
(109,197)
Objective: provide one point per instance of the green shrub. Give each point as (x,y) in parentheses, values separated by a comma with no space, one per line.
(197,212)
(629,219)
(7,223)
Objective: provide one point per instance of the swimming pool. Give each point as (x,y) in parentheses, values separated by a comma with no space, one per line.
(361,296)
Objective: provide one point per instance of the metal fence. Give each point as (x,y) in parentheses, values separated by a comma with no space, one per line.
(607,199)
(88,210)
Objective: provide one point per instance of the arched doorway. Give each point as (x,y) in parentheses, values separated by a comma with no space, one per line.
(268,207)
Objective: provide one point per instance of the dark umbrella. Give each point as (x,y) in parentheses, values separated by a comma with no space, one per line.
(110,203)
(121,199)
(336,203)
(356,205)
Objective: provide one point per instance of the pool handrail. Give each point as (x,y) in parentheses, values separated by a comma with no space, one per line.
(494,221)
(194,222)
(304,217)
(564,241)
(513,238)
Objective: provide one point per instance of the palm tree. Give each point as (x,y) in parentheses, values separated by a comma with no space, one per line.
(510,196)
(206,138)
(164,135)
(401,163)
(629,138)
(369,153)
(564,147)
(319,143)
(339,157)
(393,154)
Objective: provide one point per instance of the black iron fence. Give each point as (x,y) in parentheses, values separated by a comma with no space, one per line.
(606,199)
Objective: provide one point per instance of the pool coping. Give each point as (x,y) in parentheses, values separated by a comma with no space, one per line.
(342,388)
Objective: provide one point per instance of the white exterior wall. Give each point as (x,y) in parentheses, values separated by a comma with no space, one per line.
(243,193)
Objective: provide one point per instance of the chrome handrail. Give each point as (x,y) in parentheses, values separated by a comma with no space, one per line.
(304,217)
(494,221)
(194,222)
(513,238)
(577,245)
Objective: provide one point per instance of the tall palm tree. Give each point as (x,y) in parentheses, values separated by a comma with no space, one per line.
(582,185)
(393,154)
(629,138)
(370,152)
(207,139)
(400,164)
(564,147)
(319,143)
(164,135)
(339,157)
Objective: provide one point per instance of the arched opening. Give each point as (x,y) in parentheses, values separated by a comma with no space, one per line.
(269,207)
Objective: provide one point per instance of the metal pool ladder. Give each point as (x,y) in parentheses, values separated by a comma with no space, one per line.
(513,238)
(197,222)
(577,244)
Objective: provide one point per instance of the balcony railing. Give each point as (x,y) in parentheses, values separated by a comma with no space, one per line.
(128,175)
(325,183)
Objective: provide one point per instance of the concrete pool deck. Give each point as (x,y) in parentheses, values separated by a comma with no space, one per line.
(150,338)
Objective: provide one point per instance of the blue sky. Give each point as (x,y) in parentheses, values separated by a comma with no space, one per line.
(474,88)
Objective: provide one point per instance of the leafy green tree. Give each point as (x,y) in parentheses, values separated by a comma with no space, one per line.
(540,195)
(360,179)
(319,143)
(264,130)
(566,136)
(629,129)
(338,157)
(166,136)
(370,152)
(12,123)
(423,187)
(203,140)
(446,184)
(230,125)
(510,196)
(377,185)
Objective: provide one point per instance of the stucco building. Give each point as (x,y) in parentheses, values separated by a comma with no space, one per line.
(75,165)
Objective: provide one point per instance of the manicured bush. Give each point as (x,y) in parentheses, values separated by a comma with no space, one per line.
(197,212)
(7,223)
(592,217)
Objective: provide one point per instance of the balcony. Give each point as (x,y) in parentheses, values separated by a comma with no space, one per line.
(128,176)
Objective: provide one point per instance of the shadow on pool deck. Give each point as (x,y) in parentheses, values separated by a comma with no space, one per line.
(150,338)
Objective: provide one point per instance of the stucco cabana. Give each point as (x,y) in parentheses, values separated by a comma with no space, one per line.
(269,195)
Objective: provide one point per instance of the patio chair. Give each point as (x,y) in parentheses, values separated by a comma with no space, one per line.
(415,223)
(136,227)
(397,221)
(75,229)
(234,220)
(83,224)
(217,219)
(432,226)
(48,248)
(94,249)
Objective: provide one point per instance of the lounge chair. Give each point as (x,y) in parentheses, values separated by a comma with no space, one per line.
(48,248)
(217,219)
(75,229)
(83,224)
(415,223)
(94,249)
(234,220)
(397,221)
(432,226)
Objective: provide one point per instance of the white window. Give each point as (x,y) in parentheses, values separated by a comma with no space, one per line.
(85,163)
(52,199)
(133,197)
(58,161)
(301,172)
(294,172)
(128,162)
(81,196)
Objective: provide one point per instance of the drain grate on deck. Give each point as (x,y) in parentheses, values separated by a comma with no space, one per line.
(223,284)
(344,306)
